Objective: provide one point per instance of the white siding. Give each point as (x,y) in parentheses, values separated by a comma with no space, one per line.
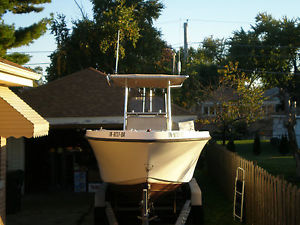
(279,128)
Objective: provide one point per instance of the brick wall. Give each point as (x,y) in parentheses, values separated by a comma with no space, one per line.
(2,179)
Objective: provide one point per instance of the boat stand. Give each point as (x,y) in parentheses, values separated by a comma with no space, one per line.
(186,208)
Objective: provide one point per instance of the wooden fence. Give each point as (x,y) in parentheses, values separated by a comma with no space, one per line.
(269,200)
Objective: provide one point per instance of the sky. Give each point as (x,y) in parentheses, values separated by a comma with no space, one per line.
(216,18)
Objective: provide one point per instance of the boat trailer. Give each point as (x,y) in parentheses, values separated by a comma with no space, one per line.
(180,207)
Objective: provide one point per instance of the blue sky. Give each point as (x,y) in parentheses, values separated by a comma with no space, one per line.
(217,18)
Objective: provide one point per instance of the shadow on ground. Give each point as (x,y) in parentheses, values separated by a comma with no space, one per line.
(54,208)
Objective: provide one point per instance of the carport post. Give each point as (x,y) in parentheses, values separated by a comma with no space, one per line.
(2,180)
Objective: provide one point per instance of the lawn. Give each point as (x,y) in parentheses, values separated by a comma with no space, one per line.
(269,159)
(217,209)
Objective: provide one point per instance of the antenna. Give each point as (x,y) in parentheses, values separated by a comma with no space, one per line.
(117,57)
(179,64)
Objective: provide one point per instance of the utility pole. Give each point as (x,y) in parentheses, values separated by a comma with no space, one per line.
(185,25)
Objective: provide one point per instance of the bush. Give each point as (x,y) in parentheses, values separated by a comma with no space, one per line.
(275,141)
(284,147)
(231,146)
(256,145)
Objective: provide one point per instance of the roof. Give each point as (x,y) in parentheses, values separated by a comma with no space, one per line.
(85,93)
(14,64)
(12,74)
(147,80)
(19,119)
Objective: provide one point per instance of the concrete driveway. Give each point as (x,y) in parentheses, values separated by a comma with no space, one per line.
(51,208)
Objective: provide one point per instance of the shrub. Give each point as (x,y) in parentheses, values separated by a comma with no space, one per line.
(284,147)
(231,146)
(256,145)
(275,141)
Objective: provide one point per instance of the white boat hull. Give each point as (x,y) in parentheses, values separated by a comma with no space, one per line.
(134,157)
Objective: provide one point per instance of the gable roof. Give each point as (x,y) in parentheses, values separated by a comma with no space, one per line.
(18,119)
(85,93)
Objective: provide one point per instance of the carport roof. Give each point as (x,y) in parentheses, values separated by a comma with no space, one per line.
(17,118)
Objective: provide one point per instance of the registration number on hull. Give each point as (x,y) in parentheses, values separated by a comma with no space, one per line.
(117,134)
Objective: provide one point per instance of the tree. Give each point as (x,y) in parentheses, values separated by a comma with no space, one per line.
(93,42)
(202,66)
(270,52)
(194,88)
(213,51)
(236,100)
(12,37)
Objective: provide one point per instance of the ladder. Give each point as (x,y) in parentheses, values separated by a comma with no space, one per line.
(239,192)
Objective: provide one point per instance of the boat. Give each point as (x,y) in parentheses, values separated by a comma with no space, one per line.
(149,149)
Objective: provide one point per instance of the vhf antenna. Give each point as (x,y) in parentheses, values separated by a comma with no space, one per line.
(117,57)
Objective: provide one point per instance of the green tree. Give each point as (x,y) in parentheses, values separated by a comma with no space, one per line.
(212,51)
(193,90)
(202,66)
(12,37)
(236,101)
(93,42)
(270,51)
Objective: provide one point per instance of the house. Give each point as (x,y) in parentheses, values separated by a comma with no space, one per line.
(82,100)
(16,117)
(279,128)
(210,107)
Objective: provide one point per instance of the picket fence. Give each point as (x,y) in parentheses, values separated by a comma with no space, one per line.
(269,200)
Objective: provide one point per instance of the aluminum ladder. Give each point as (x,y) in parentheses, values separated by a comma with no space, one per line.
(239,193)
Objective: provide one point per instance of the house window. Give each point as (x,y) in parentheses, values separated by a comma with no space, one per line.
(206,110)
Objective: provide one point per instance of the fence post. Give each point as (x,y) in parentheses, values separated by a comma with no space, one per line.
(298,207)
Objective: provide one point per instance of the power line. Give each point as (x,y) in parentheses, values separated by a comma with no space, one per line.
(269,72)
(31,52)
(220,21)
(181,44)
(244,45)
(266,72)
(33,64)
(205,21)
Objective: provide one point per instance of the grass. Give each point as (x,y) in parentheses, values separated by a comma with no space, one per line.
(270,159)
(217,209)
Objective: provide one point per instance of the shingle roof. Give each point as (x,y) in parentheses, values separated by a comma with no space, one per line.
(85,93)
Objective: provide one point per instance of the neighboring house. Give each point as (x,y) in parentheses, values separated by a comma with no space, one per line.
(279,128)
(210,107)
(273,122)
(82,100)
(17,119)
